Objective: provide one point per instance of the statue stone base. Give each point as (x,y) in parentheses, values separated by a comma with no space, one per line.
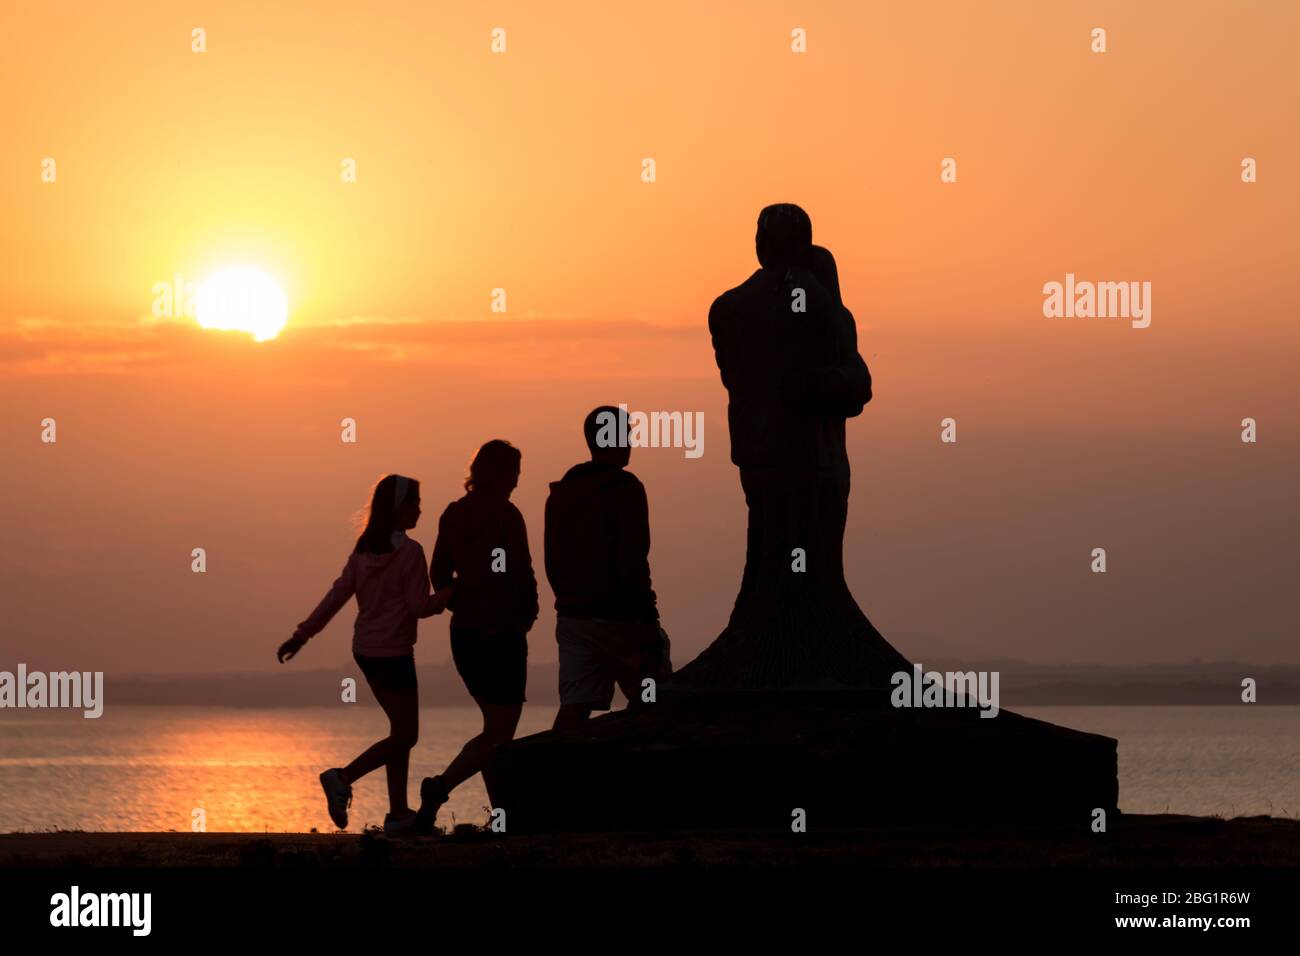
(750,760)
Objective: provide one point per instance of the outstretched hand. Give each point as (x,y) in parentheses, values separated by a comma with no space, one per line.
(290,647)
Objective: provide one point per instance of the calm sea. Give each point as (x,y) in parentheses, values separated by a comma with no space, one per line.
(149,768)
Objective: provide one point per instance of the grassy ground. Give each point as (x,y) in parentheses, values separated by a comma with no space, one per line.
(1131,841)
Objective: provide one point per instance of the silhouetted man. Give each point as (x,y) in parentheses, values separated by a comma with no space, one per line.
(597,549)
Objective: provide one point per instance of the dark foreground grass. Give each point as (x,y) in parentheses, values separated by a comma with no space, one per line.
(1138,841)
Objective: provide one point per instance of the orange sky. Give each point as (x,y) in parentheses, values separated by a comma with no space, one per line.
(522,171)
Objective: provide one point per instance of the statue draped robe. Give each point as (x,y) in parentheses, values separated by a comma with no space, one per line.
(792,378)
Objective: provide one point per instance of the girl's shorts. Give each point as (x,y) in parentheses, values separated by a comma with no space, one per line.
(388,673)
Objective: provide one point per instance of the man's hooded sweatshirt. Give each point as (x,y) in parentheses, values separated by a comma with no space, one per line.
(597,545)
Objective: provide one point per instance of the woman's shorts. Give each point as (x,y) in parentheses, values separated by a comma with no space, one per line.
(493,666)
(388,673)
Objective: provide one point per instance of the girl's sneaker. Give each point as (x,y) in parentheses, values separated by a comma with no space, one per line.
(432,796)
(338,795)
(397,825)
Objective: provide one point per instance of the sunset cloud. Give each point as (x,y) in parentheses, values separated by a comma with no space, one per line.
(514,347)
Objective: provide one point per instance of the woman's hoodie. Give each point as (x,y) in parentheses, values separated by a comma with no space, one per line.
(482,554)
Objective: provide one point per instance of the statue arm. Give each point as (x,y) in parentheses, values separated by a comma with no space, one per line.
(840,390)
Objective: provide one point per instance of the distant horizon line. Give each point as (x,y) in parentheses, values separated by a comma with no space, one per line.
(1023,684)
(938,661)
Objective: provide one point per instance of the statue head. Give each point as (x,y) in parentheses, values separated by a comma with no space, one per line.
(784,236)
(822,264)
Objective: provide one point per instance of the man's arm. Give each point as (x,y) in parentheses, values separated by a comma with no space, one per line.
(719,333)
(632,546)
(550,542)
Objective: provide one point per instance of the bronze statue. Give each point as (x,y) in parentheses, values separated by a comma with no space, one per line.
(787,350)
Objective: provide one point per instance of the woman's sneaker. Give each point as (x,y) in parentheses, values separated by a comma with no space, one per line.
(338,795)
(432,796)
(397,825)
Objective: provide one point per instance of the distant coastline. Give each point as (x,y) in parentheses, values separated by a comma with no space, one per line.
(1022,685)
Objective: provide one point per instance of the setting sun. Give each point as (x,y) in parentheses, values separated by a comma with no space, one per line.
(243,300)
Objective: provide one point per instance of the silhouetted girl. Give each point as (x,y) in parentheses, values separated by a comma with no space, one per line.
(482,556)
(386,573)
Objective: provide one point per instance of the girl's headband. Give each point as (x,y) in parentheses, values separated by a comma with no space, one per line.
(399,492)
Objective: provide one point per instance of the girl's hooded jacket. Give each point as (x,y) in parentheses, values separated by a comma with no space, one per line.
(392,592)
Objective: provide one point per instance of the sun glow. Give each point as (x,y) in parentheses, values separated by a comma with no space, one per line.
(244,300)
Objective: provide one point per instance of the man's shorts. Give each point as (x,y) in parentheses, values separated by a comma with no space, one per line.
(595,655)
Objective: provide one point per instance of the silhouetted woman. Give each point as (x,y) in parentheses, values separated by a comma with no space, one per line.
(386,573)
(482,556)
